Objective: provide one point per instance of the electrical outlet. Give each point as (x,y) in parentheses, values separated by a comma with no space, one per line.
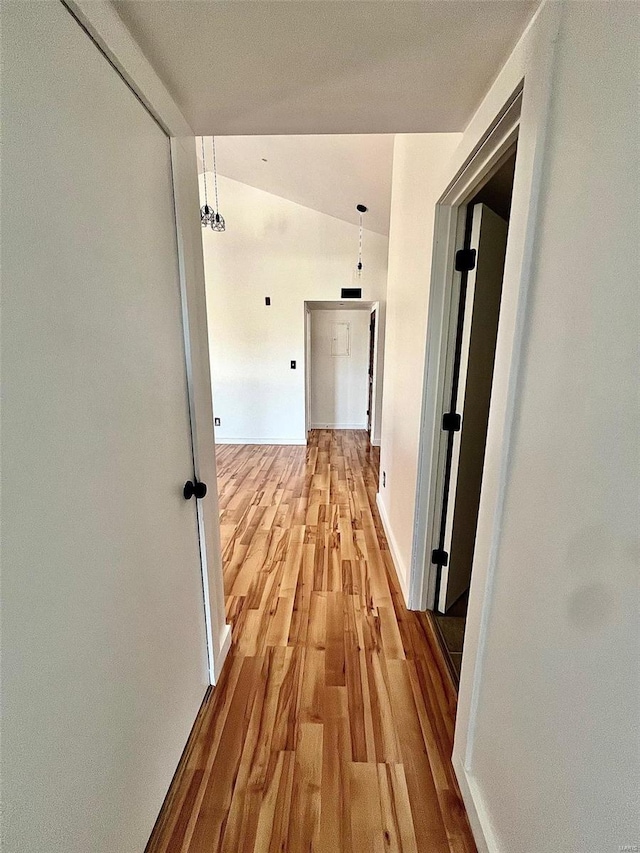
(216,421)
(384,479)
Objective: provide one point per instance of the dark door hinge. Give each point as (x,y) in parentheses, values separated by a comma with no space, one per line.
(451,422)
(465,260)
(440,557)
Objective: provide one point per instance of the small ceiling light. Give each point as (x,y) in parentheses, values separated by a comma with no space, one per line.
(357,273)
(209,215)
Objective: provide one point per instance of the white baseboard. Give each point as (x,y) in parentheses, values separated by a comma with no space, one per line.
(398,565)
(375,442)
(338,426)
(294,441)
(478,817)
(222,654)
(476,812)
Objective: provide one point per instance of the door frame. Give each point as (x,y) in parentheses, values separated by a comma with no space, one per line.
(371,370)
(105,28)
(449,237)
(342,305)
(307,371)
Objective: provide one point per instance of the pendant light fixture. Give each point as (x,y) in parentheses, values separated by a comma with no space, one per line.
(357,273)
(209,215)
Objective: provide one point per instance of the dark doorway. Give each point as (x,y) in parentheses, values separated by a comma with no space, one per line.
(481,286)
(372,350)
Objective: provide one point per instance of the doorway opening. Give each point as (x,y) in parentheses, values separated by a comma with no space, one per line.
(371,372)
(471,359)
(293,235)
(341,352)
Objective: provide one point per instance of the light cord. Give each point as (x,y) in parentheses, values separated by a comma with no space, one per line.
(204,171)
(215,174)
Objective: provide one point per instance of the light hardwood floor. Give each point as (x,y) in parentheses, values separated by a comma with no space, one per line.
(331,728)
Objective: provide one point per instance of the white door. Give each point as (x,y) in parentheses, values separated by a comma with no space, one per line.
(477,352)
(104,657)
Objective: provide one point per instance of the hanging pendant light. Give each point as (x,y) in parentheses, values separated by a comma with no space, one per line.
(209,215)
(357,273)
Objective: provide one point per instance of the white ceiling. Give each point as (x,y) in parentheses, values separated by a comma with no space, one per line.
(326,66)
(327,173)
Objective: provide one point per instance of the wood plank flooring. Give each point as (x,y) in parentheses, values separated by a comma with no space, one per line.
(331,728)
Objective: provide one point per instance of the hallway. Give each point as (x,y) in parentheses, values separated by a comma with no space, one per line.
(332,725)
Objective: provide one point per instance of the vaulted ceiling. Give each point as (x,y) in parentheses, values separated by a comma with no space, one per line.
(327,173)
(326,66)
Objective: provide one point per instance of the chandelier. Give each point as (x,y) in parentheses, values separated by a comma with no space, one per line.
(357,273)
(209,215)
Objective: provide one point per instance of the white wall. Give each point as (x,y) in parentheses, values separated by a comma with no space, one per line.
(555,759)
(339,383)
(419,162)
(550,757)
(273,247)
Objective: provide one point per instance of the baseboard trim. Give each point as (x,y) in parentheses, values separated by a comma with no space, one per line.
(476,812)
(273,441)
(170,806)
(338,426)
(398,565)
(225,645)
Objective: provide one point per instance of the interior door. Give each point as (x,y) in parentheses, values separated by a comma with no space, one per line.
(104,655)
(372,350)
(471,397)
